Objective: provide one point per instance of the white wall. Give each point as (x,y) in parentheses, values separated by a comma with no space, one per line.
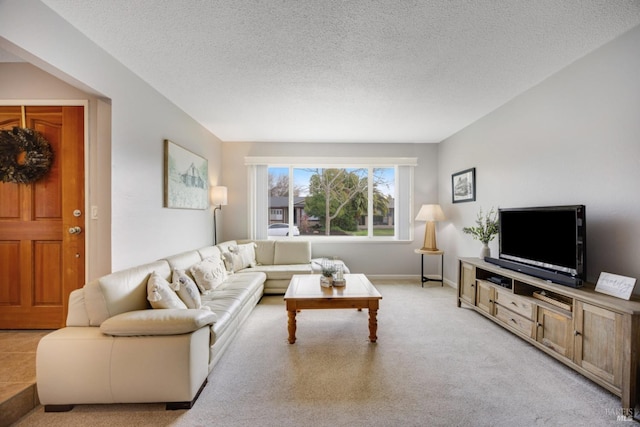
(395,258)
(141,229)
(573,139)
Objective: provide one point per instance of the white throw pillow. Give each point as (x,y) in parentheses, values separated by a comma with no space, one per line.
(248,254)
(232,261)
(240,256)
(187,290)
(160,294)
(209,274)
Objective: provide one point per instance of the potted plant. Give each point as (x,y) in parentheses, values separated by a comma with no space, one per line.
(485,230)
(328,268)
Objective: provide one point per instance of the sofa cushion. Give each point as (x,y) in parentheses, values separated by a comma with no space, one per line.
(210,252)
(209,274)
(186,289)
(157,322)
(229,299)
(279,272)
(184,260)
(264,251)
(121,291)
(292,252)
(224,246)
(160,294)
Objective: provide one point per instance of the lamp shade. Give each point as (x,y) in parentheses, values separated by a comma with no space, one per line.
(219,196)
(430,213)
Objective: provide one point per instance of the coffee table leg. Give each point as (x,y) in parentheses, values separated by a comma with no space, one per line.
(373,324)
(292,326)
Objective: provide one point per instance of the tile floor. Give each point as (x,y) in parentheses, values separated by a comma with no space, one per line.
(17,373)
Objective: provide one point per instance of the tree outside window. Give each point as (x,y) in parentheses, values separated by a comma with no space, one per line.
(335,201)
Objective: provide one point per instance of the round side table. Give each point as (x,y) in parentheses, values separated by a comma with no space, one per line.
(424,252)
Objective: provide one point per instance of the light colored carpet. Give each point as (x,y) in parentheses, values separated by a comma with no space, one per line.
(434,365)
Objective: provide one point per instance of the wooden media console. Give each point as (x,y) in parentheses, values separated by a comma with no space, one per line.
(595,334)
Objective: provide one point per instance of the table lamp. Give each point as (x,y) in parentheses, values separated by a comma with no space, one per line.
(430,214)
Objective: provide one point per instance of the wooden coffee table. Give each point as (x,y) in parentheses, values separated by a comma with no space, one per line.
(304,292)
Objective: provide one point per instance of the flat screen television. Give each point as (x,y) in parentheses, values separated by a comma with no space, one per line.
(546,242)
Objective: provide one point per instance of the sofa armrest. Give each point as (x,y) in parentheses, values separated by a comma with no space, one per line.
(77,314)
(157,322)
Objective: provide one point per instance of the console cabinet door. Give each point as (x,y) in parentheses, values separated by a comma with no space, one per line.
(485,297)
(555,331)
(599,341)
(467,285)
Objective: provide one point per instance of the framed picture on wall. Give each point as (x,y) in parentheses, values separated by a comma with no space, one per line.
(186,178)
(463,186)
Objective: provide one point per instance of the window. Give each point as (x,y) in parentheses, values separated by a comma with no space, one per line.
(331,198)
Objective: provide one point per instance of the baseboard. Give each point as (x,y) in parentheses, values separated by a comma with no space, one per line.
(409,277)
(393,277)
(450,283)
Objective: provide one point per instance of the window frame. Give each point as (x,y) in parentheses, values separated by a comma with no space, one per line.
(258,200)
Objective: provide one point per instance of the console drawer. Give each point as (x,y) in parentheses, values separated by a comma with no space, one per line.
(508,317)
(515,303)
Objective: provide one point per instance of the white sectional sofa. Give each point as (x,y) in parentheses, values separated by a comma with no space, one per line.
(115,348)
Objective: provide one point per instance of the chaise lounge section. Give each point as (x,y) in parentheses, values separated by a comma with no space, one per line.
(280,260)
(116,348)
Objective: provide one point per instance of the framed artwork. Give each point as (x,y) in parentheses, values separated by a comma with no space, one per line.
(186,178)
(463,186)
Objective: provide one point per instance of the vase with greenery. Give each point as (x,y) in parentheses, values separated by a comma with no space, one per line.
(485,230)
(328,268)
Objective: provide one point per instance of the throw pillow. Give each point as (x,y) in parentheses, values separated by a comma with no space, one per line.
(187,290)
(240,256)
(209,274)
(248,254)
(232,261)
(160,294)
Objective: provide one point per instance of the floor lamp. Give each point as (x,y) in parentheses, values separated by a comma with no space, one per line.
(218,199)
(431,214)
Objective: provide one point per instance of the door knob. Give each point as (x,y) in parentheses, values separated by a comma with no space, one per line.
(75,230)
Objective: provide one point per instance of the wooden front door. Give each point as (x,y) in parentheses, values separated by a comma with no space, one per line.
(41,262)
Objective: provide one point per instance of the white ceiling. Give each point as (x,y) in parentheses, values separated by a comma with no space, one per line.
(345,71)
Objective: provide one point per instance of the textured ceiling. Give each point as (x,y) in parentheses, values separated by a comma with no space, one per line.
(345,71)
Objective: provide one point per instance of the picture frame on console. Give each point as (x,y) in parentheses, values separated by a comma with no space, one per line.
(463,186)
(615,285)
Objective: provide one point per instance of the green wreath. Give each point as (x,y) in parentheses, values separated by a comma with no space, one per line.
(25,155)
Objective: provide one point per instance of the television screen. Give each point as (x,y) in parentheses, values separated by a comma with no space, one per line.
(552,238)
